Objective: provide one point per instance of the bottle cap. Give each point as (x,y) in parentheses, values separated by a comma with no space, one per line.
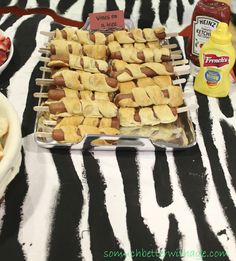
(221,34)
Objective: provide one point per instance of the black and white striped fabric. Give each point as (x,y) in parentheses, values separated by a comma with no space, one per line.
(175,14)
(73,205)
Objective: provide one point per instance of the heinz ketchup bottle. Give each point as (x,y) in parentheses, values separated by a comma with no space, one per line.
(206,16)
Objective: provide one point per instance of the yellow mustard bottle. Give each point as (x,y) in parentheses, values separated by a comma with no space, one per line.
(217,57)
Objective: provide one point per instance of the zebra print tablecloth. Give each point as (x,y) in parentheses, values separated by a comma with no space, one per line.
(72,205)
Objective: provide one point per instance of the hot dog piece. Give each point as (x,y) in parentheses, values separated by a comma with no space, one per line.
(138,35)
(66,33)
(85,81)
(63,47)
(151,95)
(73,134)
(57,108)
(58,94)
(135,71)
(132,55)
(86,108)
(80,36)
(89,121)
(61,134)
(161,81)
(147,116)
(85,37)
(76,62)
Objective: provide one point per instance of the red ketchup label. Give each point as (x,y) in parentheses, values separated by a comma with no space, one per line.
(212,60)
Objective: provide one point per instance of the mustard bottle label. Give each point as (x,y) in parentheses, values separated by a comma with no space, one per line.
(202,28)
(213,65)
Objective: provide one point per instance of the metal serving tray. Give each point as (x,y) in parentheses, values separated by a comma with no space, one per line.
(178,135)
(175,136)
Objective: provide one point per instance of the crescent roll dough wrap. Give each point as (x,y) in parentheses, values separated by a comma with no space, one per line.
(150,95)
(86,108)
(62,47)
(114,46)
(70,134)
(162,81)
(67,33)
(83,81)
(138,35)
(74,134)
(132,55)
(83,37)
(95,51)
(71,79)
(57,94)
(164,113)
(136,71)
(96,82)
(80,36)
(146,116)
(82,63)
(87,64)
(77,120)
(74,120)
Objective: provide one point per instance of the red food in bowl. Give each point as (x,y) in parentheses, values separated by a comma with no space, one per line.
(5,45)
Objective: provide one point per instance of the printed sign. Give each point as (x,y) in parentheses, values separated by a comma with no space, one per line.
(106,20)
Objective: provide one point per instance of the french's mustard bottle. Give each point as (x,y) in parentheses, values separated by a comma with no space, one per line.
(217,57)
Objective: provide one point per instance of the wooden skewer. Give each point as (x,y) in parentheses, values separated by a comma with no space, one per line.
(182,70)
(45,51)
(176,56)
(174,63)
(45,69)
(50,122)
(182,109)
(40,81)
(44,59)
(43,134)
(46,109)
(51,34)
(176,52)
(169,46)
(178,70)
(45,94)
(180,62)
(41,108)
(40,95)
(179,81)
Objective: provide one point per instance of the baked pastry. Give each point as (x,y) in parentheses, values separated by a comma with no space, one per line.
(138,35)
(80,80)
(74,106)
(82,63)
(62,47)
(147,116)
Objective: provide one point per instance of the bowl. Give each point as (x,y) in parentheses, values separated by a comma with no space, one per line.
(10,163)
(10,54)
